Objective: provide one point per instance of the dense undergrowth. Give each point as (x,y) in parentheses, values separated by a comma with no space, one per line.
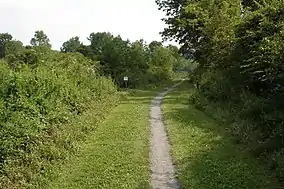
(41,111)
(244,128)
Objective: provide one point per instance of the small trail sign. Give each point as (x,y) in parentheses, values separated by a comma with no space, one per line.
(125,79)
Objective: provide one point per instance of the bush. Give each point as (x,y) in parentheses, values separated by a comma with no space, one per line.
(45,109)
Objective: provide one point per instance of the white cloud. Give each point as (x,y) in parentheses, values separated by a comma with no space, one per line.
(63,19)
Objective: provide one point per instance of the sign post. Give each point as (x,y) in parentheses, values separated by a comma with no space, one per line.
(125,78)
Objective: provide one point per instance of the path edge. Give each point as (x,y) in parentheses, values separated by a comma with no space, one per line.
(158,101)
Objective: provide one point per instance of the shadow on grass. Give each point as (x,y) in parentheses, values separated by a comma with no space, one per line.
(145,100)
(206,155)
(143,95)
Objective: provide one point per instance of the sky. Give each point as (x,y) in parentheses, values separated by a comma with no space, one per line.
(63,19)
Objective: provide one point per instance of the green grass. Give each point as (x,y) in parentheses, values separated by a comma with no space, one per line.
(204,151)
(116,155)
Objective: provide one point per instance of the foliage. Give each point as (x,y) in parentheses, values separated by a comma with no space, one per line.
(4,39)
(40,39)
(161,64)
(50,100)
(142,63)
(238,47)
(13,47)
(72,45)
(154,44)
(40,109)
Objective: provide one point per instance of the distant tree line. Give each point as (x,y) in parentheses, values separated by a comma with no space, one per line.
(142,63)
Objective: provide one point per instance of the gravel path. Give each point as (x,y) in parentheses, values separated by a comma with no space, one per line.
(162,168)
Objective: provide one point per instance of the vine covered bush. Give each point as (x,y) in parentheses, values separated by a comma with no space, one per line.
(45,109)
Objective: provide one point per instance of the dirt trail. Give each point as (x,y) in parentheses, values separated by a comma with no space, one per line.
(162,169)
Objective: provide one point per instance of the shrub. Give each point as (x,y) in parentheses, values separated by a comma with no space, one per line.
(45,106)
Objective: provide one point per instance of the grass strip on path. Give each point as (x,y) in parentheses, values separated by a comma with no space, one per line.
(204,153)
(116,155)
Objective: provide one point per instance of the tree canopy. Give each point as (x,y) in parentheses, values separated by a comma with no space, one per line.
(40,39)
(72,45)
(237,45)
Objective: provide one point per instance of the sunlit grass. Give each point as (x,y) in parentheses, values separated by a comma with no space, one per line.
(116,155)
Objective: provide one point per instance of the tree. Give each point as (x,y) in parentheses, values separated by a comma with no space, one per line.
(113,56)
(141,62)
(174,50)
(99,40)
(253,5)
(199,25)
(185,24)
(13,47)
(4,38)
(161,65)
(40,39)
(72,45)
(155,44)
(138,58)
